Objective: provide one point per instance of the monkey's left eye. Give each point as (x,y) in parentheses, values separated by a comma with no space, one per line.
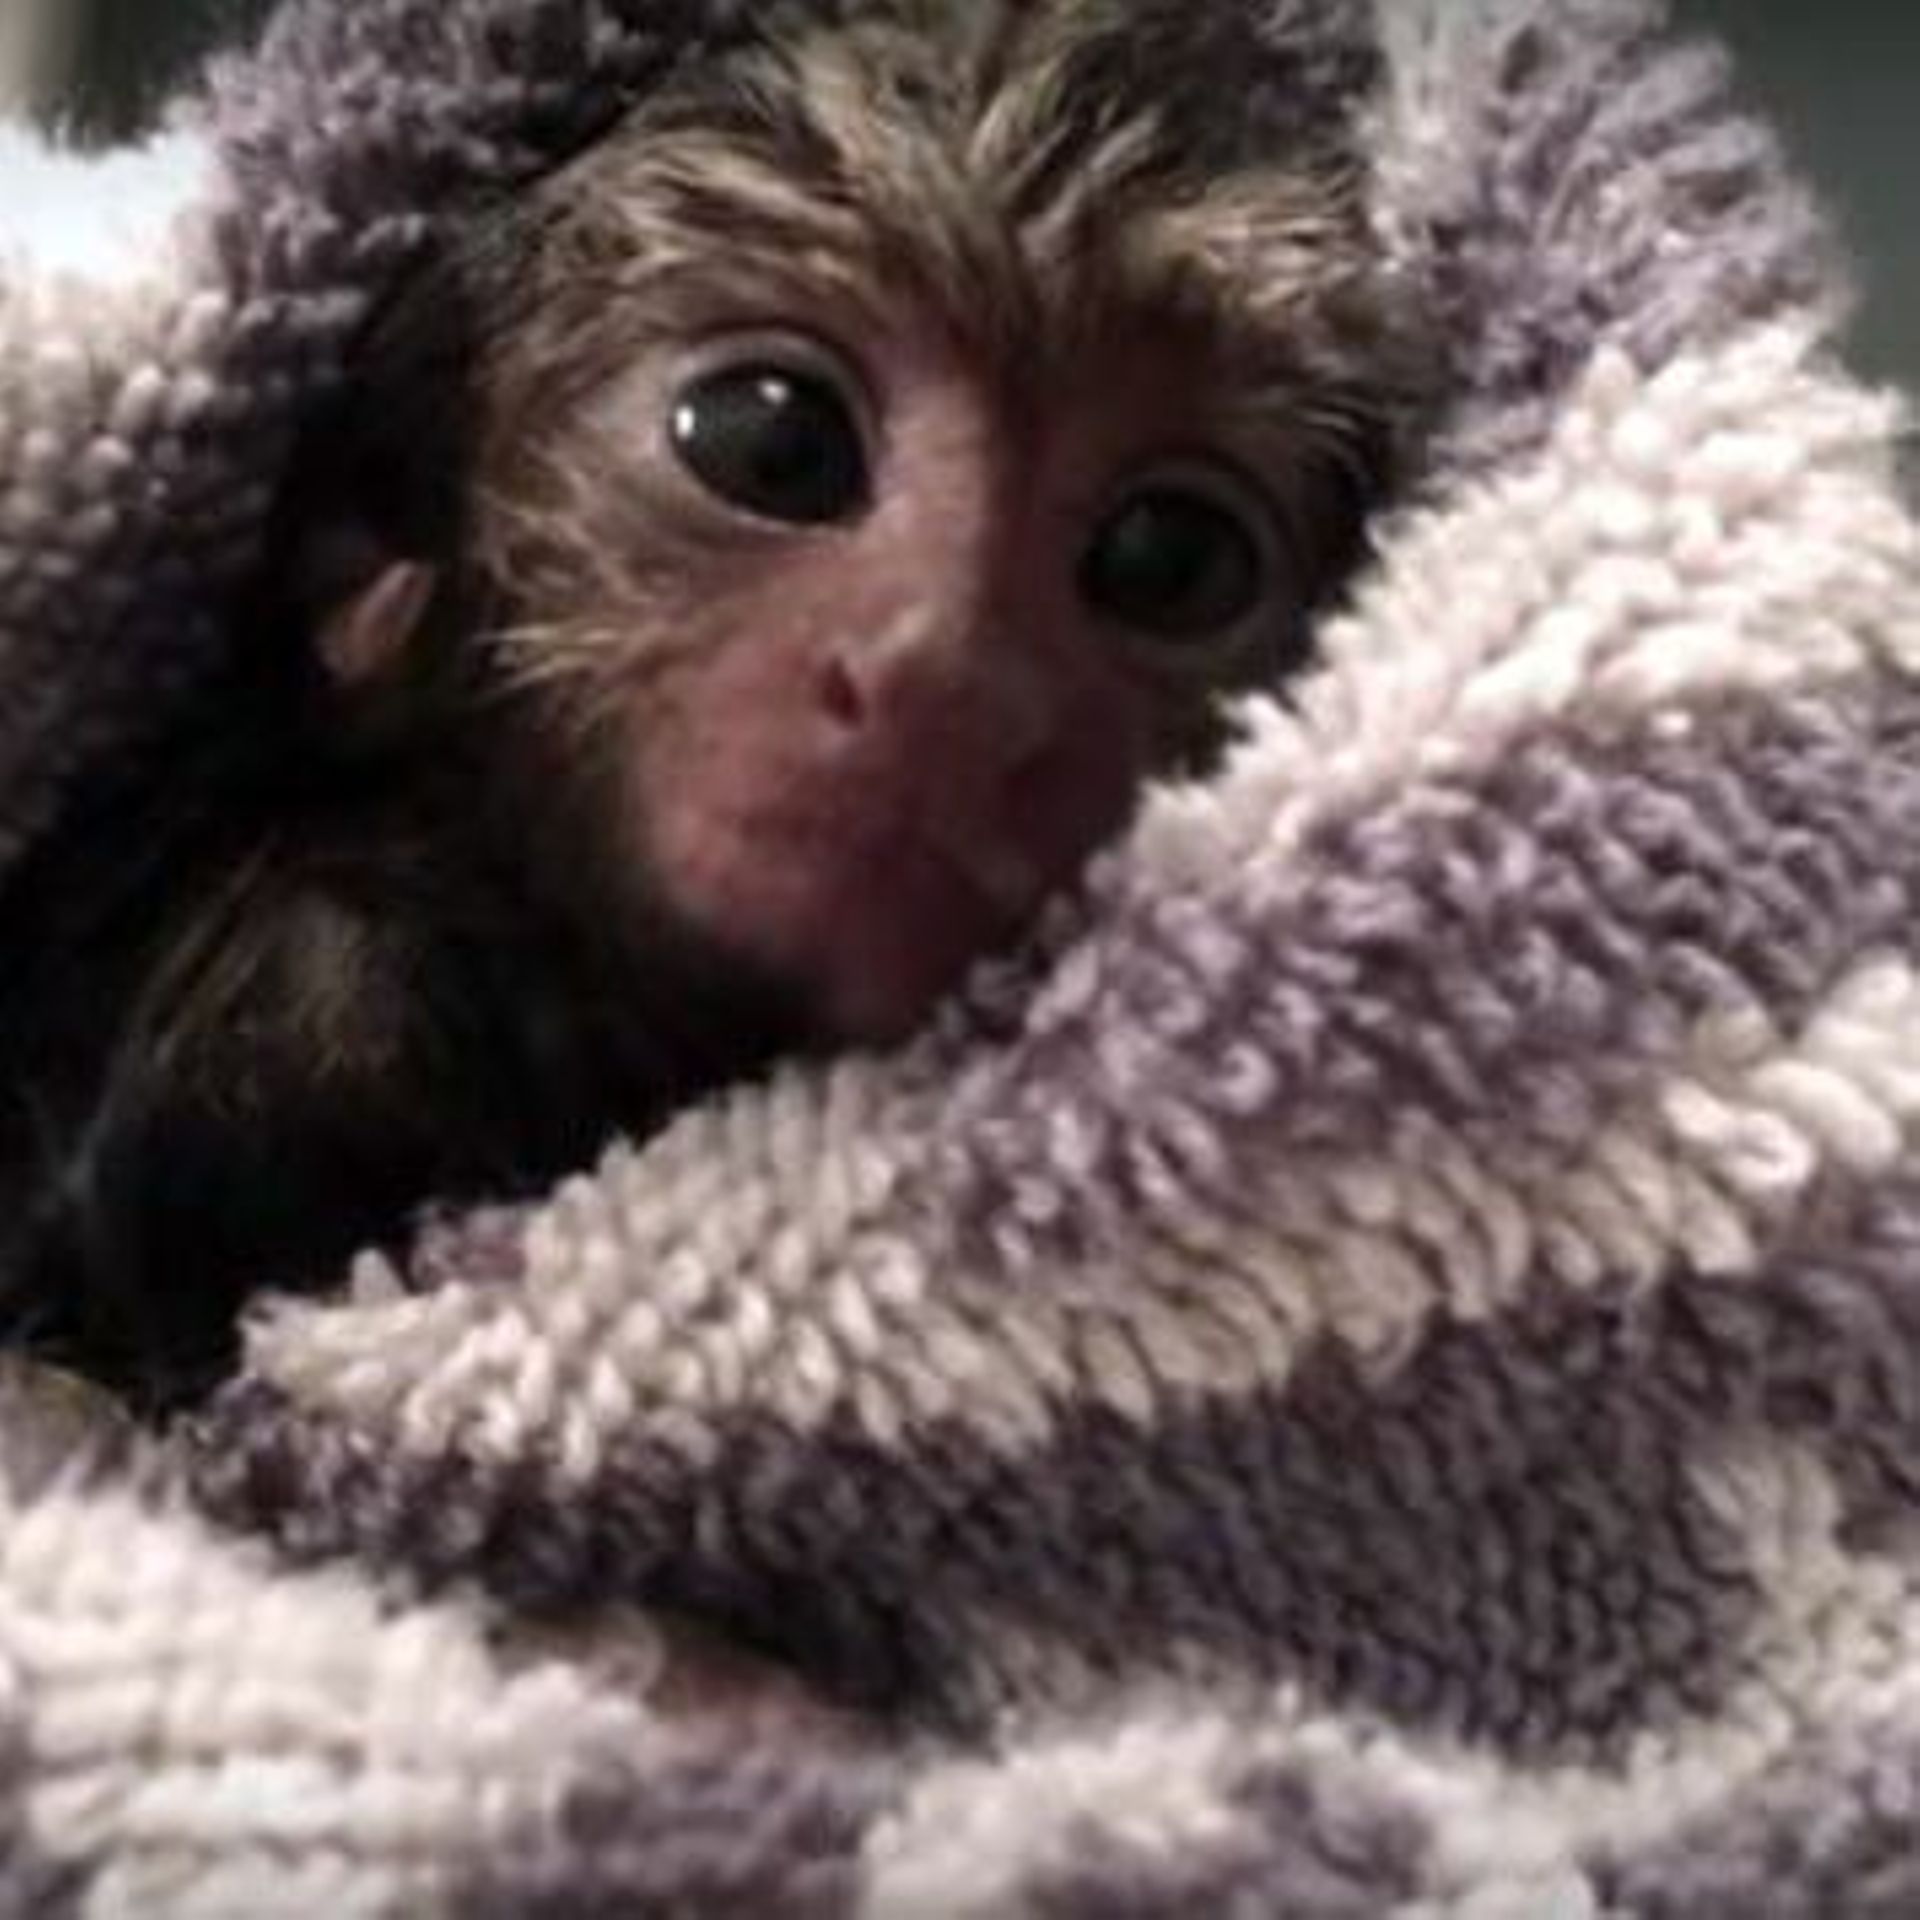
(778,442)
(1181,561)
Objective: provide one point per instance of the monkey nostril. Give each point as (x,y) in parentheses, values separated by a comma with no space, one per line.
(840,696)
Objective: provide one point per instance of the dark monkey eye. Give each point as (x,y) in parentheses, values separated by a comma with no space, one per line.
(1175,563)
(777,442)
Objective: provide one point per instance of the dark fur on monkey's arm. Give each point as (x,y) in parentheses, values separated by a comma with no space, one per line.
(273,1001)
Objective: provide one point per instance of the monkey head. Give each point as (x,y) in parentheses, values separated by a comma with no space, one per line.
(881,461)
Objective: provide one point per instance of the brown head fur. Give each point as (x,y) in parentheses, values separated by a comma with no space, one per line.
(1028,177)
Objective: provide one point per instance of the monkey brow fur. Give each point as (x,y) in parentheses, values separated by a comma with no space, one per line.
(1018,174)
(1014,171)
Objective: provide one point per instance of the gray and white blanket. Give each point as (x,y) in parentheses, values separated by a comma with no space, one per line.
(1375,1374)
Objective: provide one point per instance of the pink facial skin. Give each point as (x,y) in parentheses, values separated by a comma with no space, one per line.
(885,742)
(857,754)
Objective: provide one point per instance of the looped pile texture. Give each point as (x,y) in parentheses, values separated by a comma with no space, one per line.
(1376,1373)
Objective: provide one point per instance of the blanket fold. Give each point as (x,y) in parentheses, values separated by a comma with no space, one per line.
(1372,1372)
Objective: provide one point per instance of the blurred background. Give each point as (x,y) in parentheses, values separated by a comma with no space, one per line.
(1842,81)
(1842,78)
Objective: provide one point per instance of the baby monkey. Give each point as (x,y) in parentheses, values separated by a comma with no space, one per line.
(747,575)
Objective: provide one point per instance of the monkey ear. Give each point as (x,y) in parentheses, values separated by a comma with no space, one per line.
(368,631)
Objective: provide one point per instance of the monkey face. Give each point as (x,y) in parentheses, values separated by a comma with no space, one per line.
(881,468)
(909,644)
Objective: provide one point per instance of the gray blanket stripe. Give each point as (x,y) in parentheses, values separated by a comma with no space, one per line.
(1587,182)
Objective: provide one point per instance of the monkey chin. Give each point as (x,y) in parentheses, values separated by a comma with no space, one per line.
(881,1000)
(880,965)
(869,946)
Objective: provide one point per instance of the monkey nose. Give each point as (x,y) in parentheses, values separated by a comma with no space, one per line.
(944,706)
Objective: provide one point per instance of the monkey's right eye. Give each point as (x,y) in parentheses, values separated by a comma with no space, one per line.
(778,442)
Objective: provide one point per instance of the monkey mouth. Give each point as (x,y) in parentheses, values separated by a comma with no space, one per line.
(904,928)
(872,936)
(1005,879)
(869,922)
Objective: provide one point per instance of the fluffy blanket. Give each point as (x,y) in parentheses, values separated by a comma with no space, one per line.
(1375,1373)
